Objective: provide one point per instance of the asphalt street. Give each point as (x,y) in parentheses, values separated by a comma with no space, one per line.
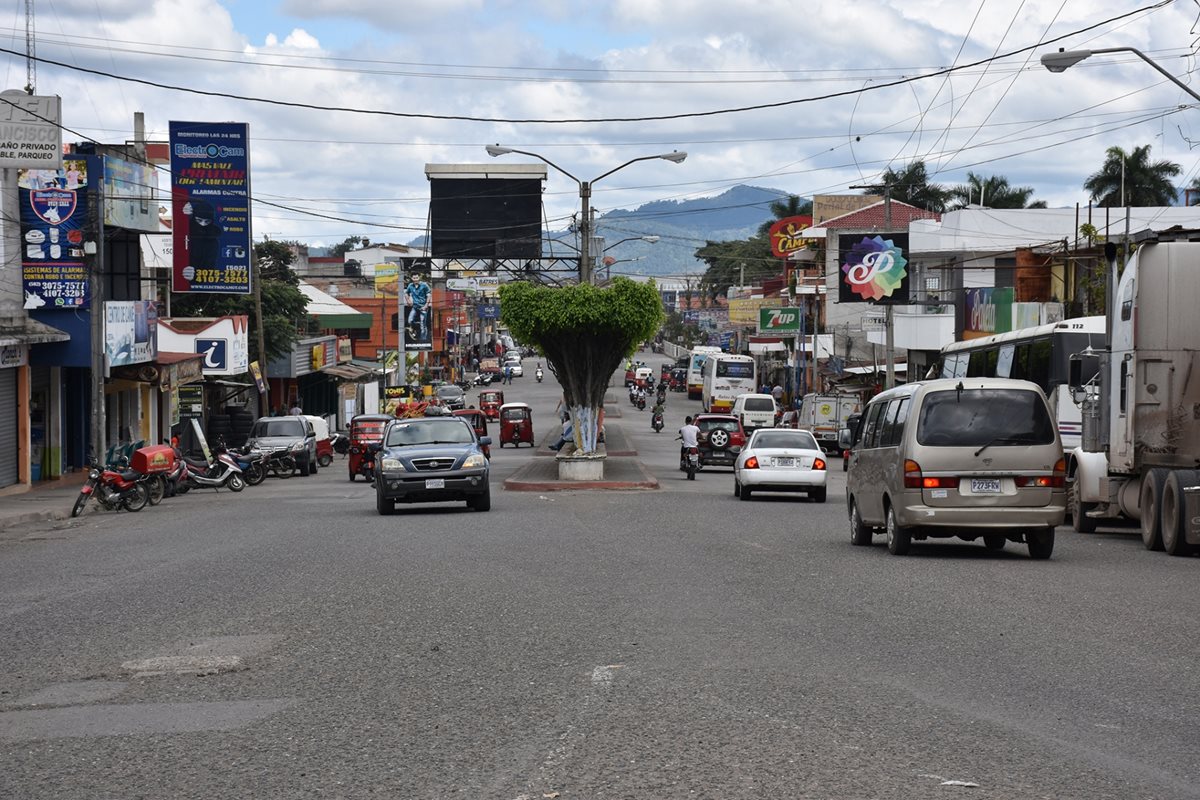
(673,643)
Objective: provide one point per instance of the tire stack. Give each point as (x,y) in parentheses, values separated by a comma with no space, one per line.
(219,427)
(241,422)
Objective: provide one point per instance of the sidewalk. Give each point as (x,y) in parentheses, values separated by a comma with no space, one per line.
(46,501)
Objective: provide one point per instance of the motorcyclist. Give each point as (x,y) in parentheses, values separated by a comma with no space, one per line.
(689,435)
(538,372)
(641,398)
(657,412)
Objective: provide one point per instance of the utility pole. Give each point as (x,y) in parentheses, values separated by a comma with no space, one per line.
(256,277)
(889,319)
(585,232)
(96,302)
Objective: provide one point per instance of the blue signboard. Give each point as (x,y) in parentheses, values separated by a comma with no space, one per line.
(210,207)
(215,352)
(489,310)
(54,215)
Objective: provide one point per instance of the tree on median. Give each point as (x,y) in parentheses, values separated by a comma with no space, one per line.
(584,332)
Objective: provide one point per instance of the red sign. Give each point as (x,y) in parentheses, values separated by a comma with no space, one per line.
(785,235)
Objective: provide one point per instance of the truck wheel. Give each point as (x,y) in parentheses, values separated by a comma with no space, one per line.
(1174,511)
(1150,507)
(1080,521)
(1041,543)
(898,539)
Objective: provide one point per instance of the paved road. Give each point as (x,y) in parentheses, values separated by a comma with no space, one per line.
(288,642)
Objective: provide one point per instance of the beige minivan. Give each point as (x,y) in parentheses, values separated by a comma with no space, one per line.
(967,457)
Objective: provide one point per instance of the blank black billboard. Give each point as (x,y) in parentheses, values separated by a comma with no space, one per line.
(485,217)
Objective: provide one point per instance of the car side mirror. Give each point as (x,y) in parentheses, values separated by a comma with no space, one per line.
(843,439)
(485,441)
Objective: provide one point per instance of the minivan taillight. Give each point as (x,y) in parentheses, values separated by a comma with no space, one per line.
(1056,481)
(913,479)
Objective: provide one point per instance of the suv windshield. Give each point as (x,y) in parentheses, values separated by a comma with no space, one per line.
(449,392)
(278,427)
(429,431)
(977,417)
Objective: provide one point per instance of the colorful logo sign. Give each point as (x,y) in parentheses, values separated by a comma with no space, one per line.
(874,269)
(210,207)
(779,320)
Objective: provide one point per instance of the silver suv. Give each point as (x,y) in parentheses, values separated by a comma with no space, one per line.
(292,433)
(970,457)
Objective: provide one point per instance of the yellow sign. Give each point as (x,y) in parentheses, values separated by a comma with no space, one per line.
(318,356)
(386,276)
(745,312)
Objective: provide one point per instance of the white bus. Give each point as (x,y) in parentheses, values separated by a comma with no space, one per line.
(1039,354)
(725,377)
(695,371)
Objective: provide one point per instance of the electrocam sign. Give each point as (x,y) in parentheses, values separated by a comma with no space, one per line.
(210,206)
(779,320)
(54,214)
(874,269)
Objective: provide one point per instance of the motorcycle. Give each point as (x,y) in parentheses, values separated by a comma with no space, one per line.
(113,489)
(641,402)
(656,421)
(538,374)
(155,482)
(690,463)
(483,379)
(341,443)
(249,461)
(279,462)
(222,471)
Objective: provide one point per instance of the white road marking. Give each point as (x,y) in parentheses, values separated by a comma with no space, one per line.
(604,674)
(202,665)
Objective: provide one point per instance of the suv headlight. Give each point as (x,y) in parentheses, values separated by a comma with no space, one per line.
(474,461)
(298,447)
(392,465)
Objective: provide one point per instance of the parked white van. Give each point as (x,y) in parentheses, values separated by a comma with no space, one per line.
(754,410)
(966,457)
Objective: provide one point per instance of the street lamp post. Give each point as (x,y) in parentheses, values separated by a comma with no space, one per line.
(1065,59)
(585,196)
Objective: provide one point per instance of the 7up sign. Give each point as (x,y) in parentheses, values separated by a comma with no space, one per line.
(779,320)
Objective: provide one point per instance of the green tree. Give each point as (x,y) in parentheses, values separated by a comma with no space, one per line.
(584,332)
(283,304)
(793,206)
(992,192)
(1146,183)
(911,185)
(729,263)
(348,244)
(1193,192)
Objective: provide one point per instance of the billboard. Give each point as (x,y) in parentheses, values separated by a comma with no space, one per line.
(779,320)
(785,235)
(473,218)
(210,207)
(129,195)
(32,136)
(418,311)
(130,332)
(874,269)
(55,205)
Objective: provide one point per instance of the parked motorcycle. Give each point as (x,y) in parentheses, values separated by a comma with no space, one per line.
(113,489)
(280,463)
(250,462)
(341,443)
(223,471)
(155,483)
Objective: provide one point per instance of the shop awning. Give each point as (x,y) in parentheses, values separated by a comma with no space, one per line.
(329,312)
(350,372)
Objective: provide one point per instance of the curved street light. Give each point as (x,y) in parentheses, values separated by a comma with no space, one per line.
(585,195)
(1065,59)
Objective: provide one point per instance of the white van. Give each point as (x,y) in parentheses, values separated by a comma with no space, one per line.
(754,410)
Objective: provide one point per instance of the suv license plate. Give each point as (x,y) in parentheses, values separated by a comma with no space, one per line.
(985,486)
(440,483)
(785,461)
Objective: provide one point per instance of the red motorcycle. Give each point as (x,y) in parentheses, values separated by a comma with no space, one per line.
(113,489)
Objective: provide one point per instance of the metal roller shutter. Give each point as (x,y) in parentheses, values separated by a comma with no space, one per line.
(8,427)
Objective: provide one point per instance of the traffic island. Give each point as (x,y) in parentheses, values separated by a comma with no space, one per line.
(581,467)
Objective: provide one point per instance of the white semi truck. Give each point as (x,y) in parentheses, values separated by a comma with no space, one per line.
(1140,451)
(825,415)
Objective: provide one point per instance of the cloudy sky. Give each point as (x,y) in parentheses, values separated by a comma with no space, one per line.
(805,98)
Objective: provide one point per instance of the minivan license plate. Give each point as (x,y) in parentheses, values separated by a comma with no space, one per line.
(985,486)
(440,483)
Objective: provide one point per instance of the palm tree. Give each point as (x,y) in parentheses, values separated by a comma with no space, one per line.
(1145,183)
(793,206)
(1193,192)
(993,192)
(912,185)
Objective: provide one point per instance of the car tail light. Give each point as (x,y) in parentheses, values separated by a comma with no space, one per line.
(912,474)
(751,463)
(1056,481)
(818,463)
(939,483)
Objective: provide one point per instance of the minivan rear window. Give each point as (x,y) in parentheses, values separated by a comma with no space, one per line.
(759,404)
(975,417)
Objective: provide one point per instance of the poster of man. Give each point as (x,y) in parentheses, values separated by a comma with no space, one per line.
(418,312)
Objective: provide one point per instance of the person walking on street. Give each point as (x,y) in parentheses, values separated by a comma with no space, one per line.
(295,410)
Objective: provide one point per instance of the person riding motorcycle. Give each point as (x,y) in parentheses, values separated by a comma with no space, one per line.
(641,399)
(538,373)
(689,436)
(656,413)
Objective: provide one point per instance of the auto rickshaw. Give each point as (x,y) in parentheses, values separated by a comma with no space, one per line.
(365,430)
(516,424)
(678,380)
(477,420)
(490,401)
(644,377)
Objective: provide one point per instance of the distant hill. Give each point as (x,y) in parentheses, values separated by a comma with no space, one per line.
(682,226)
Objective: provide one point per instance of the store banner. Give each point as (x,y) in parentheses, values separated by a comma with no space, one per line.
(32,130)
(418,312)
(54,216)
(874,269)
(210,207)
(130,332)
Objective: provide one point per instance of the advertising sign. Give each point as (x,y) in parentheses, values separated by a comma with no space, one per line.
(130,332)
(418,313)
(744,311)
(30,136)
(987,311)
(779,320)
(223,341)
(129,191)
(54,215)
(210,207)
(258,377)
(488,310)
(461,284)
(385,279)
(785,235)
(874,269)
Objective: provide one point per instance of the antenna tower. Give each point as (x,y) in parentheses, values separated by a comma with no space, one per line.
(30,50)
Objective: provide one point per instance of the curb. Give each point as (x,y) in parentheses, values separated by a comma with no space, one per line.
(516,483)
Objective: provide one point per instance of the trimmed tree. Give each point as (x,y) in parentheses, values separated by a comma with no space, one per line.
(584,332)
